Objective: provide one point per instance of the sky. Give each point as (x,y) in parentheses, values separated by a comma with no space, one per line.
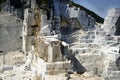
(100,7)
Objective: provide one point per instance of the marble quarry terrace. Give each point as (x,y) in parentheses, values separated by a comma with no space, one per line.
(57,40)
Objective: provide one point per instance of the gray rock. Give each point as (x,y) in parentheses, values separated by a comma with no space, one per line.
(10,33)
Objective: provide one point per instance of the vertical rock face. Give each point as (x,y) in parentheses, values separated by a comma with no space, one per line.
(64,16)
(84,19)
(63,10)
(10,33)
(110,20)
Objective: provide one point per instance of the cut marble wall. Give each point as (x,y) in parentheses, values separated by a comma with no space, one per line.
(10,33)
(110,20)
(85,20)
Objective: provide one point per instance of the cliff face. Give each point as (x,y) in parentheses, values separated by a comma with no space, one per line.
(65,17)
(57,17)
(72,4)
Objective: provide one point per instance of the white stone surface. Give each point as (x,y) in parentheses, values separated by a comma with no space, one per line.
(110,20)
(27,30)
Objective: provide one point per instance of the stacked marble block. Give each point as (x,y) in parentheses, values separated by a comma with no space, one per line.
(86,44)
(49,59)
(100,37)
(110,21)
(86,49)
(88,38)
(97,54)
(93,36)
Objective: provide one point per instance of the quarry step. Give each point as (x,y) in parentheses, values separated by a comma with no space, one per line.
(112,63)
(112,69)
(115,73)
(53,72)
(113,78)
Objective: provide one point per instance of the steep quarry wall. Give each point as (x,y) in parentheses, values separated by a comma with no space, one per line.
(110,20)
(10,33)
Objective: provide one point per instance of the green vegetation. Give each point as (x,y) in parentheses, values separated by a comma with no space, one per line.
(97,18)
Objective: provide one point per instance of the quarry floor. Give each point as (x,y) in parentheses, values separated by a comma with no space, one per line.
(14,69)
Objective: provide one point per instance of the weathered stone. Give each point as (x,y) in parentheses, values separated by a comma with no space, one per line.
(10,33)
(91,62)
(49,49)
(50,68)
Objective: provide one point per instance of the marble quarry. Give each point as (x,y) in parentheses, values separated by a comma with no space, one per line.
(66,45)
(93,51)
